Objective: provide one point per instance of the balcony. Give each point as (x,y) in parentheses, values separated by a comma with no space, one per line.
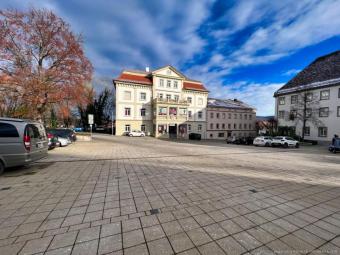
(180,117)
(166,101)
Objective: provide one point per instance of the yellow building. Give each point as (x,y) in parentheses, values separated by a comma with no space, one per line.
(162,103)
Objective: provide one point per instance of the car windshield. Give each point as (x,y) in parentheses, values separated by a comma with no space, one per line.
(289,138)
(278,137)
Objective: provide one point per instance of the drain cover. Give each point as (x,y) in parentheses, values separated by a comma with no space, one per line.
(154,211)
(253,190)
(5,188)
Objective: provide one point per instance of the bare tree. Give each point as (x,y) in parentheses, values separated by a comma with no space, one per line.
(305,108)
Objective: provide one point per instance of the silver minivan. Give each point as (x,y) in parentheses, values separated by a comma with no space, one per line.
(21,142)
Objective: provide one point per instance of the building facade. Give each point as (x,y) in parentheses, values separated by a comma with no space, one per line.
(162,103)
(309,104)
(230,118)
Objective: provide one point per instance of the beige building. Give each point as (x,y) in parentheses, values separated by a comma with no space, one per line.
(312,97)
(230,118)
(162,103)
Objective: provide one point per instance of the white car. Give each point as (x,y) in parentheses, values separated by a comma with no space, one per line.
(136,133)
(64,141)
(285,141)
(263,141)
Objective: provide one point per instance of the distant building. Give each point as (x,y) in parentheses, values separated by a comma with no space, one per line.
(265,125)
(230,118)
(163,103)
(312,100)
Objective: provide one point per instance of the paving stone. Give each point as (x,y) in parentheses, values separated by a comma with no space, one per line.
(149,221)
(110,229)
(153,233)
(133,238)
(309,238)
(172,227)
(210,248)
(86,248)
(261,235)
(274,229)
(280,247)
(12,249)
(204,219)
(180,242)
(247,241)
(63,240)
(139,249)
(263,250)
(190,252)
(132,224)
(36,245)
(160,247)
(61,251)
(88,234)
(110,244)
(73,220)
(165,217)
(199,236)
(230,246)
(215,231)
(297,244)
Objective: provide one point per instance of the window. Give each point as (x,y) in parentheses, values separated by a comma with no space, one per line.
(33,131)
(189,114)
(324,94)
(211,135)
(322,131)
(211,126)
(245,116)
(282,100)
(211,115)
(175,84)
(142,128)
(127,111)
(217,126)
(294,99)
(183,111)
(323,112)
(309,97)
(142,96)
(217,115)
(200,115)
(245,126)
(240,116)
(142,112)
(127,95)
(293,114)
(281,114)
(308,112)
(229,115)
(173,111)
(189,127)
(339,93)
(223,115)
(127,128)
(234,126)
(161,129)
(199,127)
(240,126)
(338,111)
(229,126)
(176,97)
(250,116)
(223,126)
(8,130)
(160,96)
(162,111)
(235,116)
(220,134)
(168,84)
(307,131)
(189,99)
(168,97)
(161,83)
(249,126)
(200,101)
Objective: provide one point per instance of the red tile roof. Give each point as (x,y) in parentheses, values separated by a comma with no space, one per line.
(193,86)
(143,79)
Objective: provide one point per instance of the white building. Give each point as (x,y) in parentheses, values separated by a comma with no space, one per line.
(312,99)
(163,103)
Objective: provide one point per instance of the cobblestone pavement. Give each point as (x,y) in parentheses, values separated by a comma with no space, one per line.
(141,196)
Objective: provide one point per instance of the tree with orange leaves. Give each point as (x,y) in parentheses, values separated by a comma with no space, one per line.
(42,64)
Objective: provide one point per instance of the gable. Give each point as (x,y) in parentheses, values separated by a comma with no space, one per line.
(169,71)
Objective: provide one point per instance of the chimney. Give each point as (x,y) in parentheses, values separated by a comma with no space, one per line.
(147,69)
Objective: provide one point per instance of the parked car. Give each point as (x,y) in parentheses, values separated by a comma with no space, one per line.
(285,141)
(21,142)
(136,133)
(63,141)
(335,146)
(52,141)
(263,141)
(78,129)
(240,140)
(64,133)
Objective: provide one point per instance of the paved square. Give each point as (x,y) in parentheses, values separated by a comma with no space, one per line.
(122,195)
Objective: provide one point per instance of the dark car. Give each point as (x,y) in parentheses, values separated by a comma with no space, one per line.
(63,132)
(194,136)
(335,146)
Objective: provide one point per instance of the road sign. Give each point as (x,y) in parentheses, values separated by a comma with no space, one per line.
(90,117)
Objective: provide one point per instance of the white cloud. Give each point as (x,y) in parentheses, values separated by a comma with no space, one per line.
(291,72)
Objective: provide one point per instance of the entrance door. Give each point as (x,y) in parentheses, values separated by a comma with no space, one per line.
(173,131)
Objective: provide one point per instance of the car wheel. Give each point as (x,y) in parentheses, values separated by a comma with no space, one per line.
(2,168)
(266,145)
(285,145)
(297,145)
(142,135)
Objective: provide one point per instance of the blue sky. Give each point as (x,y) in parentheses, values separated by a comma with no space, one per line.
(242,49)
